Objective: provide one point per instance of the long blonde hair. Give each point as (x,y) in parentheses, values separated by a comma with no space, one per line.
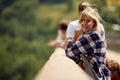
(92,13)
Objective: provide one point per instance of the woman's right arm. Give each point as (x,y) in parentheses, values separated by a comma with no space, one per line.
(85,44)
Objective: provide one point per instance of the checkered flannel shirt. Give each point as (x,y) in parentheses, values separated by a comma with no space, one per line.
(92,45)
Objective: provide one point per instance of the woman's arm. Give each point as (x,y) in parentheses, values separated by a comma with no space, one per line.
(86,44)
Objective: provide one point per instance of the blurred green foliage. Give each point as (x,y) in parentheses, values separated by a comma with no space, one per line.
(23,49)
(27,25)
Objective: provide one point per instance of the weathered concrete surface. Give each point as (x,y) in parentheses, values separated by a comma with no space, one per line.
(59,67)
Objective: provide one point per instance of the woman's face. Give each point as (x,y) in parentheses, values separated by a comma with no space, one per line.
(87,23)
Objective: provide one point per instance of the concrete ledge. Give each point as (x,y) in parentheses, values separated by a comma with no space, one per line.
(59,67)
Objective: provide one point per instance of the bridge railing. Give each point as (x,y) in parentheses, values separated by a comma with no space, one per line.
(59,67)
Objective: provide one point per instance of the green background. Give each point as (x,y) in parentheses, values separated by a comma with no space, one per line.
(27,25)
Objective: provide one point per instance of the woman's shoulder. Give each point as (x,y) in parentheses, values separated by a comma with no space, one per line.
(93,34)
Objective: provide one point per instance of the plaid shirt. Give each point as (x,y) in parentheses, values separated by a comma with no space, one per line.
(92,45)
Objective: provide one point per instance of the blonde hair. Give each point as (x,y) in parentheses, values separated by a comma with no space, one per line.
(92,13)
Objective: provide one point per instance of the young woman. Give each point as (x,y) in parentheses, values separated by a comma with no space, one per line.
(89,41)
(73,25)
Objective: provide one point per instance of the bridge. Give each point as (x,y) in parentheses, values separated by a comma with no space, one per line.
(59,67)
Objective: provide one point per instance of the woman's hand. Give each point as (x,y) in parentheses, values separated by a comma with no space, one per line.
(78,32)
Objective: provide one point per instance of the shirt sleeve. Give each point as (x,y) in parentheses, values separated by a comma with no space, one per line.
(70,31)
(103,30)
(60,37)
(86,44)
